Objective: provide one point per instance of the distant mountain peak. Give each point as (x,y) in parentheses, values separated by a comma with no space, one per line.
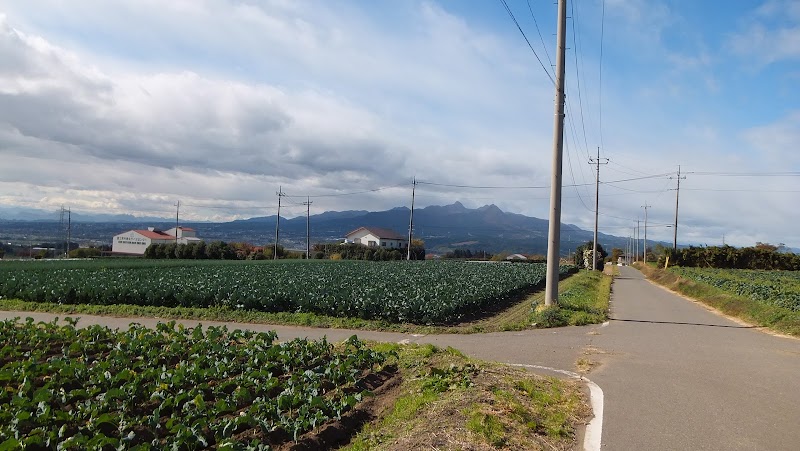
(456,207)
(490,208)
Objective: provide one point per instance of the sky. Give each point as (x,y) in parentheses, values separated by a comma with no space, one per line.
(129,106)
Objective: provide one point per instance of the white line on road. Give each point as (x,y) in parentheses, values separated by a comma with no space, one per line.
(594,430)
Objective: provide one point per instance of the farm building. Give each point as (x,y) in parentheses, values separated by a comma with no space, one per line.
(516,257)
(134,242)
(377,237)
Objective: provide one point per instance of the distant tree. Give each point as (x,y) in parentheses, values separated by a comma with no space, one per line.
(583,255)
(616,253)
(765,247)
(151,251)
(87,252)
(417,249)
(214,250)
(183,251)
(169,250)
(199,251)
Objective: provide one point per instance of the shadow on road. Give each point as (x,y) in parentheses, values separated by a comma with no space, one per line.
(682,323)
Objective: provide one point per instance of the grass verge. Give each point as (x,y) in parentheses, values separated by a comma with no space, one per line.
(583,299)
(774,318)
(447,401)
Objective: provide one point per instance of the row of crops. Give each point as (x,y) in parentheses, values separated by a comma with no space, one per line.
(778,288)
(419,292)
(169,388)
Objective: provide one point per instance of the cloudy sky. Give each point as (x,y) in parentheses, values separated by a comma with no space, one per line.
(128,106)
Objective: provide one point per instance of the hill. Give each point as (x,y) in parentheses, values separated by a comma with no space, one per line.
(443,228)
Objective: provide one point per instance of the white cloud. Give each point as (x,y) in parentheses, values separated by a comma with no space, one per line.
(771,34)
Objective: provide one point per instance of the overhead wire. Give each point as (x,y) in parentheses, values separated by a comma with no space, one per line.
(352,193)
(511,14)
(600,83)
(578,76)
(536,24)
(569,164)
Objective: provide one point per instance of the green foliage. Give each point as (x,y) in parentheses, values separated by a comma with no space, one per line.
(777,288)
(85,252)
(355,251)
(426,292)
(549,316)
(468,254)
(583,255)
(761,256)
(173,387)
(216,250)
(489,427)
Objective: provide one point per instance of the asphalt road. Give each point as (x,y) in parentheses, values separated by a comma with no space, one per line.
(679,377)
(675,376)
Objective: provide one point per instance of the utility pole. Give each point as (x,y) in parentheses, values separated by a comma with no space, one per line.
(645,206)
(69,228)
(597,162)
(277,224)
(630,250)
(177,212)
(554,230)
(638,237)
(677,197)
(62,226)
(307,203)
(411,218)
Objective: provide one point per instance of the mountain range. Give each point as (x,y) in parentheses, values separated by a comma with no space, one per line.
(443,228)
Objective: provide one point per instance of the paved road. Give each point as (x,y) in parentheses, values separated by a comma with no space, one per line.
(674,375)
(677,376)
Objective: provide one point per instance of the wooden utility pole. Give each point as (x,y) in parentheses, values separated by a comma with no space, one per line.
(411,218)
(177,215)
(677,197)
(554,229)
(277,224)
(645,206)
(307,203)
(596,161)
(69,229)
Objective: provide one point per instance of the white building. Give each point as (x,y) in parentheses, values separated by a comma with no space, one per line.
(134,242)
(377,237)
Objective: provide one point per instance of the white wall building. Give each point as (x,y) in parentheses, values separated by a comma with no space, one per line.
(377,237)
(134,242)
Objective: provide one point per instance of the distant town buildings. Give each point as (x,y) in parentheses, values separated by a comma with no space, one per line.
(135,242)
(377,237)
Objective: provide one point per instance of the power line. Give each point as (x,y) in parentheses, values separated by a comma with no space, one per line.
(746,174)
(600,84)
(419,182)
(578,77)
(536,24)
(571,173)
(348,194)
(511,14)
(448,185)
(744,190)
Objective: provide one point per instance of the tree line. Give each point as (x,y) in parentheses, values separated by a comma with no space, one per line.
(355,251)
(220,250)
(761,256)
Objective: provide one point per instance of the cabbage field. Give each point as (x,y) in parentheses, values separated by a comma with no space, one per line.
(778,288)
(428,292)
(170,388)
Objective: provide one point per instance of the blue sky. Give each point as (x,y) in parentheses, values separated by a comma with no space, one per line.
(128,106)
